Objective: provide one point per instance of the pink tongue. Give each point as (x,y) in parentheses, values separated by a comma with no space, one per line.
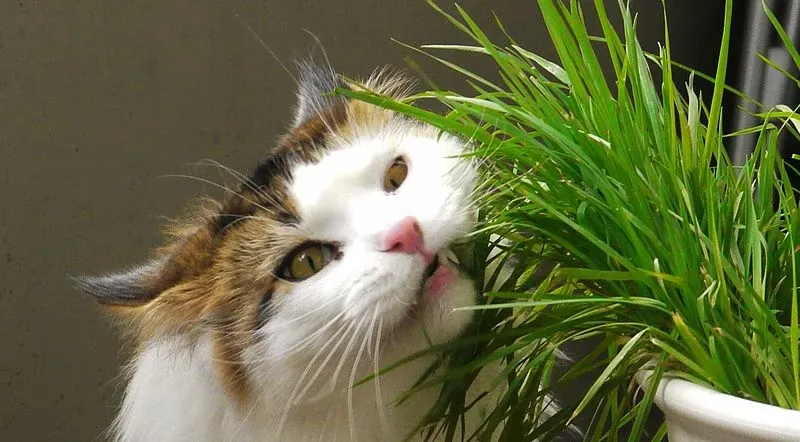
(439,281)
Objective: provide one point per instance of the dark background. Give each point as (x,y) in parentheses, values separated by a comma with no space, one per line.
(99,100)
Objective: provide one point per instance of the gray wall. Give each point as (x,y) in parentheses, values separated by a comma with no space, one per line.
(99,99)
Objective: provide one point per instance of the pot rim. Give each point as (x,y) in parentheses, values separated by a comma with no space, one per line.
(695,404)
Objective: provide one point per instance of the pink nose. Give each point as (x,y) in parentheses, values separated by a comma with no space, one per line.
(405,237)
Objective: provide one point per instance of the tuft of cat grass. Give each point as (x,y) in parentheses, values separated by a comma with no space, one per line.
(628,226)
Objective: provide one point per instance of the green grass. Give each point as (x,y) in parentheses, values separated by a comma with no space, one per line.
(627,223)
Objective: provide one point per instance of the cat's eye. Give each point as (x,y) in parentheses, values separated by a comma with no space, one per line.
(395,175)
(306,260)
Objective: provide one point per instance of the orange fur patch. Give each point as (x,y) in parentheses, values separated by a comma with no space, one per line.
(219,264)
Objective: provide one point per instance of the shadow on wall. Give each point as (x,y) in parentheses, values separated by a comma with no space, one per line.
(98,100)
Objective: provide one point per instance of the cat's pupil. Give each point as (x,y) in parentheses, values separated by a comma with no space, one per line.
(311,262)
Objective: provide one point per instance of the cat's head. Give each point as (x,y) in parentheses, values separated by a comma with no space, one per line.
(343,229)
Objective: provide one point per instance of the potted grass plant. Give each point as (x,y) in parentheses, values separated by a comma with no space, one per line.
(628,227)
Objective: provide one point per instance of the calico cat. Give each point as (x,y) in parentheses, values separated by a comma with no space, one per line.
(331,261)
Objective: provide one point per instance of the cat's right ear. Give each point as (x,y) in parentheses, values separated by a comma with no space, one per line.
(129,288)
(314,91)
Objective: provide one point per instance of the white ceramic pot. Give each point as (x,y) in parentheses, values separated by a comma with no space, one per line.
(695,413)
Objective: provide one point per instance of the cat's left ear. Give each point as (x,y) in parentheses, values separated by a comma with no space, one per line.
(315,91)
(130,288)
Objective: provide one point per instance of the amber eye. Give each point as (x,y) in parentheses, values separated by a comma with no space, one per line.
(395,175)
(306,260)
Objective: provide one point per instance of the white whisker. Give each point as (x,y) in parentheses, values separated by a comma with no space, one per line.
(300,345)
(351,381)
(322,366)
(293,395)
(345,354)
(265,46)
(376,366)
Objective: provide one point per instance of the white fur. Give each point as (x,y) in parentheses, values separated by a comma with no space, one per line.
(338,326)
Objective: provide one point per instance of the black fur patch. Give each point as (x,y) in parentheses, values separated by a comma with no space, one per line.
(264,309)
(277,165)
(227,219)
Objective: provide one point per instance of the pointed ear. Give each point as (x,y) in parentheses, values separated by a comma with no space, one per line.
(314,91)
(130,288)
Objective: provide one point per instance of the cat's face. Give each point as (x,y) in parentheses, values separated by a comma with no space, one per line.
(389,265)
(342,233)
(383,240)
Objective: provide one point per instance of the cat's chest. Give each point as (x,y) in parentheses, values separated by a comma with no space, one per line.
(368,412)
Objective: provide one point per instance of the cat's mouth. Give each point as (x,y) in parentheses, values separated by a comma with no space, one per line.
(431,269)
(435,284)
(437,276)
